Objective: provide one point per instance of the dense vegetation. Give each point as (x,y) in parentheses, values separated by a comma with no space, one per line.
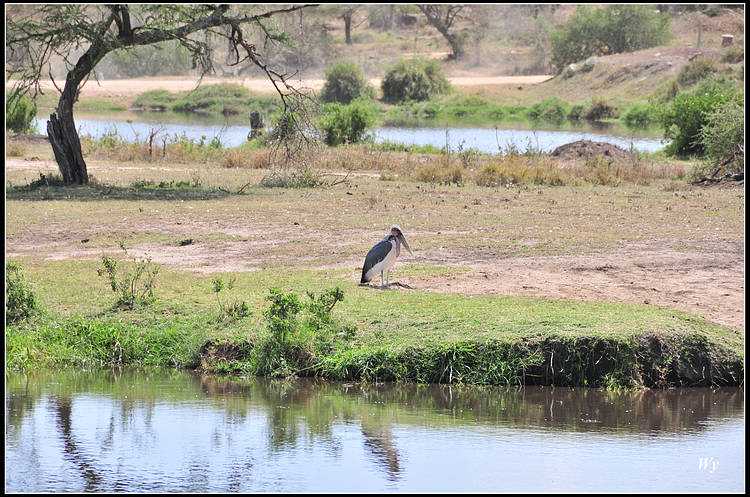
(607,30)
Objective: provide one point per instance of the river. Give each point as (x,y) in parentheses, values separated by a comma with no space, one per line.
(485,140)
(169,431)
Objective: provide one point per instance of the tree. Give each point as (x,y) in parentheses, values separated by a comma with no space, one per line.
(613,29)
(36,33)
(441,17)
(347,15)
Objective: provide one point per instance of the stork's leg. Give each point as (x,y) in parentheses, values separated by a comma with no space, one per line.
(381,279)
(387,279)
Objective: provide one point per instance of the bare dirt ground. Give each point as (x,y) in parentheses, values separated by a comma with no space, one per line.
(706,277)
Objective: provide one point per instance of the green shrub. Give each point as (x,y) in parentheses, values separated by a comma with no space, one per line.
(601,109)
(552,110)
(733,55)
(344,82)
(346,123)
(576,112)
(684,117)
(20,112)
(20,301)
(414,79)
(616,28)
(696,70)
(722,133)
(298,332)
(640,115)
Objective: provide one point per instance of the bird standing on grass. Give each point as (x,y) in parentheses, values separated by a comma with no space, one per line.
(382,257)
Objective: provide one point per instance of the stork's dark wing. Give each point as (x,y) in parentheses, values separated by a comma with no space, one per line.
(375,255)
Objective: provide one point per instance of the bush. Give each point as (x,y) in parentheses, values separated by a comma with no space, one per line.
(576,112)
(640,115)
(616,28)
(344,82)
(733,55)
(551,110)
(20,112)
(601,109)
(298,332)
(696,70)
(722,133)
(20,301)
(414,79)
(346,123)
(683,118)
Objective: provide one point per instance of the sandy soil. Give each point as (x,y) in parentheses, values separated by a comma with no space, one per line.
(130,88)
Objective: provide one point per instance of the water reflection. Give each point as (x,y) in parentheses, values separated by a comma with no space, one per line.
(519,136)
(170,431)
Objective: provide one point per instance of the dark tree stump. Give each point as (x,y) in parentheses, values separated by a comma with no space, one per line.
(67,148)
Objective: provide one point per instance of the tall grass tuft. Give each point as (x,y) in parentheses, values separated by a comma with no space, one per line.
(133,287)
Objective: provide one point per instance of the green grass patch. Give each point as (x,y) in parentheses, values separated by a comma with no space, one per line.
(224,99)
(370,334)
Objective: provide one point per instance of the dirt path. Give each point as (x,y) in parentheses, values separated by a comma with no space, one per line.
(128,88)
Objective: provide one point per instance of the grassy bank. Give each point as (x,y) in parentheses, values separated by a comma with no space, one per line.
(206,218)
(365,334)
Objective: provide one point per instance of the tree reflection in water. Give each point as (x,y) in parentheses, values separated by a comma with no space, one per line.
(231,434)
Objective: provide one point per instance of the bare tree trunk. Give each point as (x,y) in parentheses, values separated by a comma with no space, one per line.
(389,17)
(63,135)
(348,26)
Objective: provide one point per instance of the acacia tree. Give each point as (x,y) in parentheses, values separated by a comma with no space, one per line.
(442,17)
(35,33)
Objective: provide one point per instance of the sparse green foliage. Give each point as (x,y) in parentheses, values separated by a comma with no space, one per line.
(415,79)
(344,82)
(20,112)
(237,309)
(613,29)
(136,287)
(20,301)
(168,59)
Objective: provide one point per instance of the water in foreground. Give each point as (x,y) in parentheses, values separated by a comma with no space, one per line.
(167,431)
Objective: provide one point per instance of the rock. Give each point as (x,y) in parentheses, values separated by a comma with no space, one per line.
(591,62)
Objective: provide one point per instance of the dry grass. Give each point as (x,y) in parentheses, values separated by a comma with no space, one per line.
(249,159)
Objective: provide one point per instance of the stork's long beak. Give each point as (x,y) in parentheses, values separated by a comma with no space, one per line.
(406,244)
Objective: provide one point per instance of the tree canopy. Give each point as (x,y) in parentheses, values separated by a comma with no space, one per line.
(82,34)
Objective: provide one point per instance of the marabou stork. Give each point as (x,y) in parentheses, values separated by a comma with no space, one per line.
(382,257)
